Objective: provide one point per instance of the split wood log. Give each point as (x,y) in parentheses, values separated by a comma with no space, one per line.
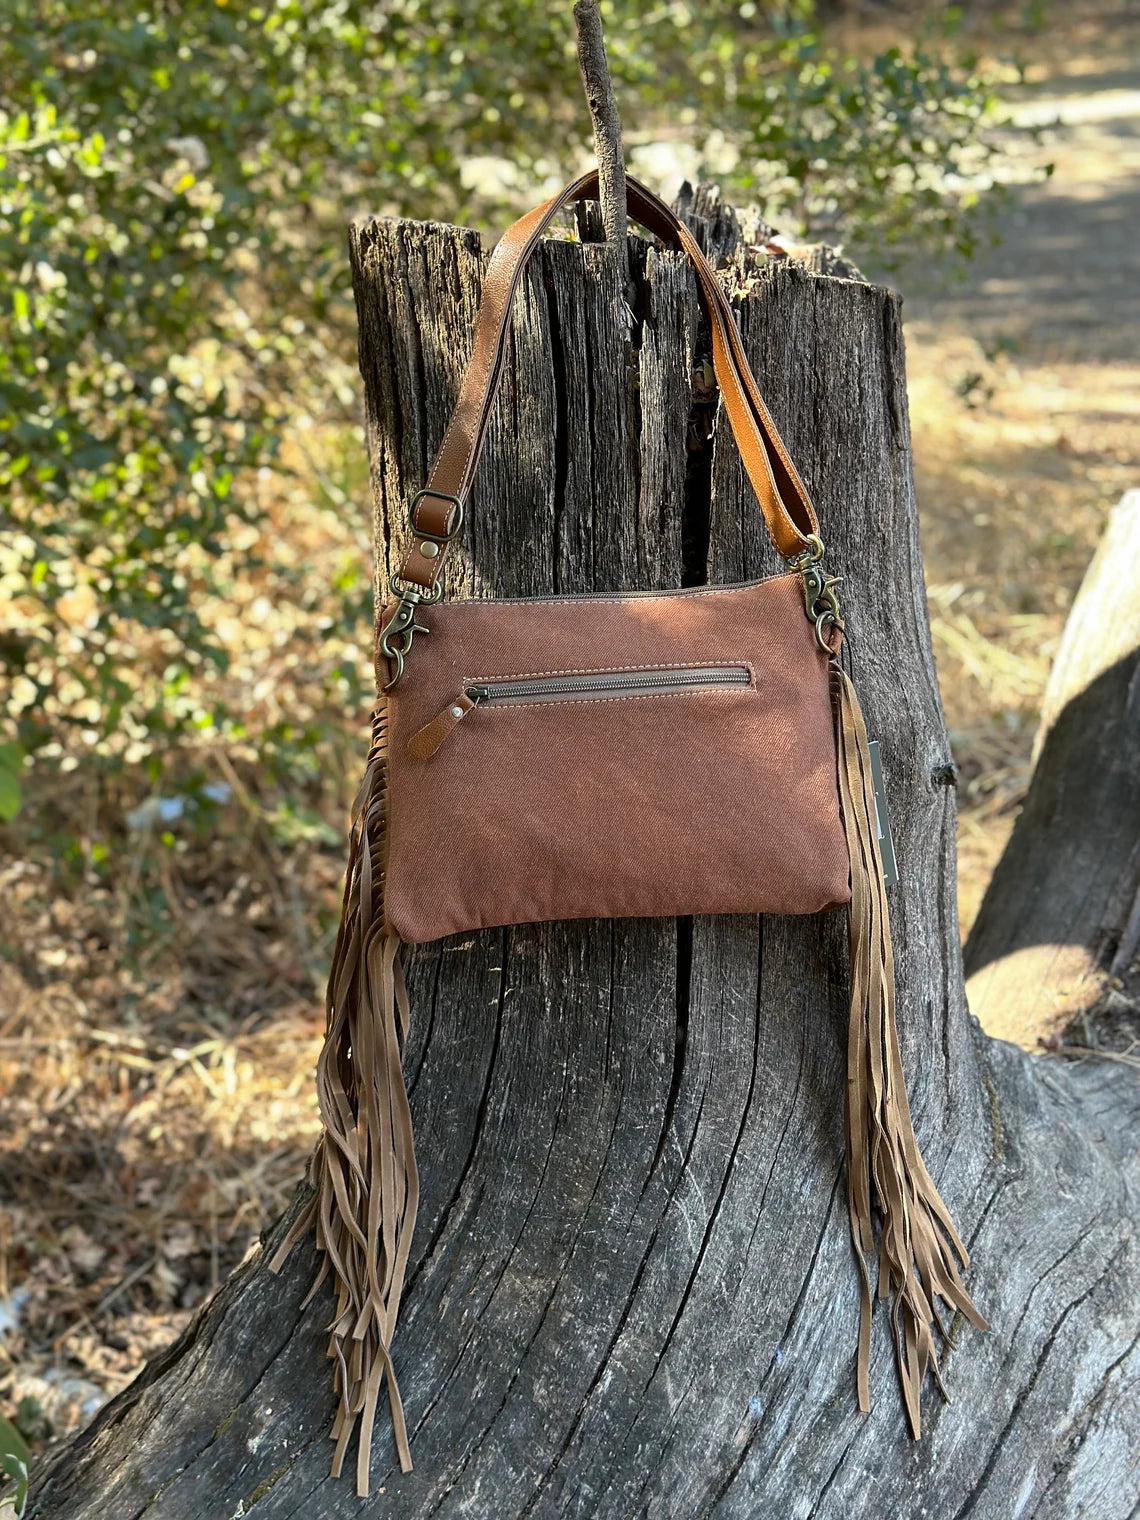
(632,1288)
(1061,918)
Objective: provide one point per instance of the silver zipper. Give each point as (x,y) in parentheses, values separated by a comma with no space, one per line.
(611,683)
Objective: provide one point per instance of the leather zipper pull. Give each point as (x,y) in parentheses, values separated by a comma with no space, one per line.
(425,741)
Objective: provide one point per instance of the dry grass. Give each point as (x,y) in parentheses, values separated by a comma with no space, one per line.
(159,1107)
(1014,489)
(161,989)
(160,1006)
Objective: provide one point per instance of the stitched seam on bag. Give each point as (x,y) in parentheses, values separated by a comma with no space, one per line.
(442,448)
(616,670)
(489,368)
(776,440)
(585,598)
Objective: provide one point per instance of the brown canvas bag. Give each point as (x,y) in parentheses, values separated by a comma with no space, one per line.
(572,750)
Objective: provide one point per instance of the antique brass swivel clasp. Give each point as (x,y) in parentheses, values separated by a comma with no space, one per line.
(821,591)
(395,639)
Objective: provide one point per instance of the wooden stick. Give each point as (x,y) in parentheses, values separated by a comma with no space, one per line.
(607,127)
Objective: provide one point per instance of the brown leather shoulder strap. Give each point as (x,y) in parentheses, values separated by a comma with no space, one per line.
(437,512)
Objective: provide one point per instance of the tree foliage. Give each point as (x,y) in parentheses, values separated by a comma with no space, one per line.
(173,185)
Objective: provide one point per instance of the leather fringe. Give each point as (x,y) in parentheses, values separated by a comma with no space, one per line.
(364,1167)
(920,1250)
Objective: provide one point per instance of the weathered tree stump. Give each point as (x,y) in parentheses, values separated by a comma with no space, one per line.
(633,1291)
(1061,917)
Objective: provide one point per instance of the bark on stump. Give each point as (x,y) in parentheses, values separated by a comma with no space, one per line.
(633,1291)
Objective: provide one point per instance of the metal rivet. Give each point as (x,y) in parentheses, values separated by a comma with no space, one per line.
(457,712)
(429,550)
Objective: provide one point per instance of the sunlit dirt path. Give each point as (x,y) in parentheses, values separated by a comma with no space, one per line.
(1025,397)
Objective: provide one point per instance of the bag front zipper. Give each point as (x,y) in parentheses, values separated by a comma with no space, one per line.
(620,683)
(579,686)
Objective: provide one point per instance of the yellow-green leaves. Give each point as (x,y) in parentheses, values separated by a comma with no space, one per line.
(11,791)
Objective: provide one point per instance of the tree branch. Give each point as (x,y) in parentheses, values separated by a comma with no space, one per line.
(607,127)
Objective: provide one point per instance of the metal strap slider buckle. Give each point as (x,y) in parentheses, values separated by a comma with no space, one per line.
(436,538)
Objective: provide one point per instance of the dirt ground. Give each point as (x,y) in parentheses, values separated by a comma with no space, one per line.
(1024,385)
(158,1033)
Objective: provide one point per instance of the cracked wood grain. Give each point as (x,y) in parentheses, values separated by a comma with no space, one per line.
(632,1289)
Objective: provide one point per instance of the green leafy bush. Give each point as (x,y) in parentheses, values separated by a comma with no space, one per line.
(14,1460)
(173,184)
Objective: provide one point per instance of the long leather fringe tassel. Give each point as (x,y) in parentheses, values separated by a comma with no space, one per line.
(920,1249)
(364,1166)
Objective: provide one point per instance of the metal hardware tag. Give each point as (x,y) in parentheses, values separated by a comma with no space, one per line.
(883,818)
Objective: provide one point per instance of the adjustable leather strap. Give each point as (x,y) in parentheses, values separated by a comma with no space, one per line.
(437,513)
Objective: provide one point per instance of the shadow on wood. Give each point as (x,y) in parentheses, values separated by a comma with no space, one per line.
(633,1288)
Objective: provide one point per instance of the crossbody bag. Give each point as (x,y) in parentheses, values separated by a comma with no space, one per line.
(640,754)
